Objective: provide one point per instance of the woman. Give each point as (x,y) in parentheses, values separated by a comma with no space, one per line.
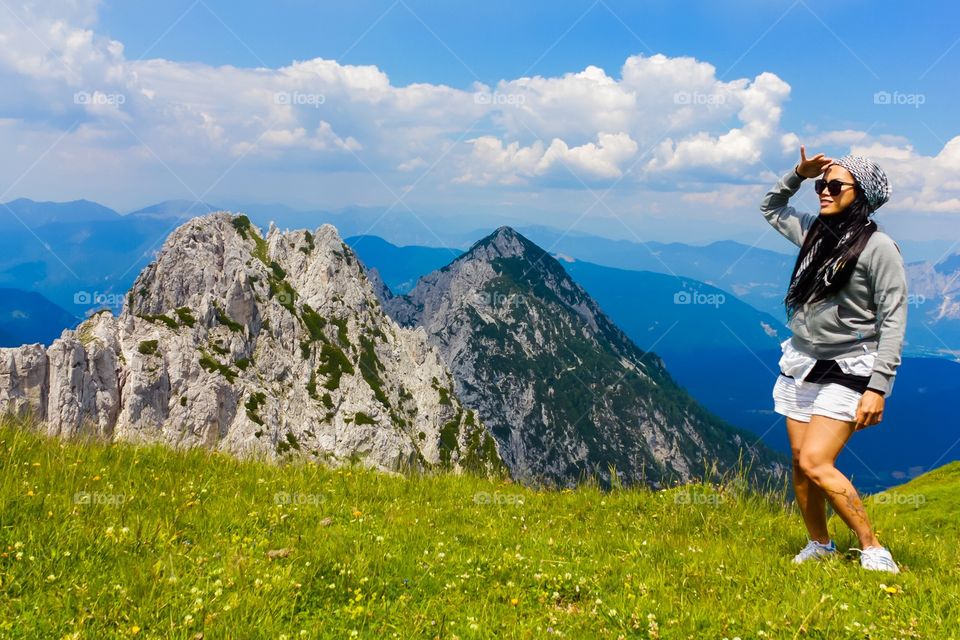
(847,310)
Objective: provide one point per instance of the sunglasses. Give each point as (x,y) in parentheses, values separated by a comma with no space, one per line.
(834,187)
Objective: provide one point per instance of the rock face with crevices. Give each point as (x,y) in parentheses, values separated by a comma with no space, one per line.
(257,346)
(564,391)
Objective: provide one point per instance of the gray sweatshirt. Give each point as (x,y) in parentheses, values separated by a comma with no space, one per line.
(870,310)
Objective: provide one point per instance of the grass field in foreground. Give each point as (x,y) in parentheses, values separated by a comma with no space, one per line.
(120,541)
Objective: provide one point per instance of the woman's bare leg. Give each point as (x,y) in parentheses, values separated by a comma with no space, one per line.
(822,442)
(811,500)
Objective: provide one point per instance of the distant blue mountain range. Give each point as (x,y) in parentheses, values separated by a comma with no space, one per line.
(78,252)
(24,211)
(400,267)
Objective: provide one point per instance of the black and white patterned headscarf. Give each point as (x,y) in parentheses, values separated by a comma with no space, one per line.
(834,242)
(871,178)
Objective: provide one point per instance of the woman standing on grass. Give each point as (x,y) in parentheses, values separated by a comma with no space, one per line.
(847,310)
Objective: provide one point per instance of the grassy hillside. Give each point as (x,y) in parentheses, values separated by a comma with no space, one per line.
(115,541)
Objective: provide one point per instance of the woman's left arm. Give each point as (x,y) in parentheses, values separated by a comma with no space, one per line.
(889,280)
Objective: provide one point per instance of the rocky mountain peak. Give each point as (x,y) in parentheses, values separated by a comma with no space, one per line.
(255,344)
(562,388)
(504,242)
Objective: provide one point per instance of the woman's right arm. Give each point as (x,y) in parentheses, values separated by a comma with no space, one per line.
(793,225)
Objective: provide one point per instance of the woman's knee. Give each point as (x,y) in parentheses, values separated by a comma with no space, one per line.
(796,460)
(813,466)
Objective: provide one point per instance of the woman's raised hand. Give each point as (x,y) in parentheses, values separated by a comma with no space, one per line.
(811,168)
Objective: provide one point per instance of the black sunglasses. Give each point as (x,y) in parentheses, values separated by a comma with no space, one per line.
(834,186)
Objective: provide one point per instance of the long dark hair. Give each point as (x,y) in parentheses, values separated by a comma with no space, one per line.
(829,253)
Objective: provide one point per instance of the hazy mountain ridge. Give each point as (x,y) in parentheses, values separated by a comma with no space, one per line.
(51,256)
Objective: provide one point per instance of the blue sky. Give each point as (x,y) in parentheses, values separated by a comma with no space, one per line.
(870,46)
(642,116)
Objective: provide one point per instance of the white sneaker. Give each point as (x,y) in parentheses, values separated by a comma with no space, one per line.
(815,551)
(877,559)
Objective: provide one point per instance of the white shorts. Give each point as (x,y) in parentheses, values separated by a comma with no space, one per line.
(831,399)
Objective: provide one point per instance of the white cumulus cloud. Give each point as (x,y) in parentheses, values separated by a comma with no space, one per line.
(98,118)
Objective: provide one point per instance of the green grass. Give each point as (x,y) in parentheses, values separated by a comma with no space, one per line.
(211,364)
(185,316)
(165,319)
(103,541)
(226,321)
(148,347)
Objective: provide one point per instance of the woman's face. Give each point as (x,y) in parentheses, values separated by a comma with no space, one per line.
(835,204)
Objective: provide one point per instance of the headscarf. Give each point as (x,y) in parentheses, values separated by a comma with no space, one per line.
(834,242)
(871,178)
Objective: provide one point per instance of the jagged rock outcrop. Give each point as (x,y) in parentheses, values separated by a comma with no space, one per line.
(258,346)
(564,390)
